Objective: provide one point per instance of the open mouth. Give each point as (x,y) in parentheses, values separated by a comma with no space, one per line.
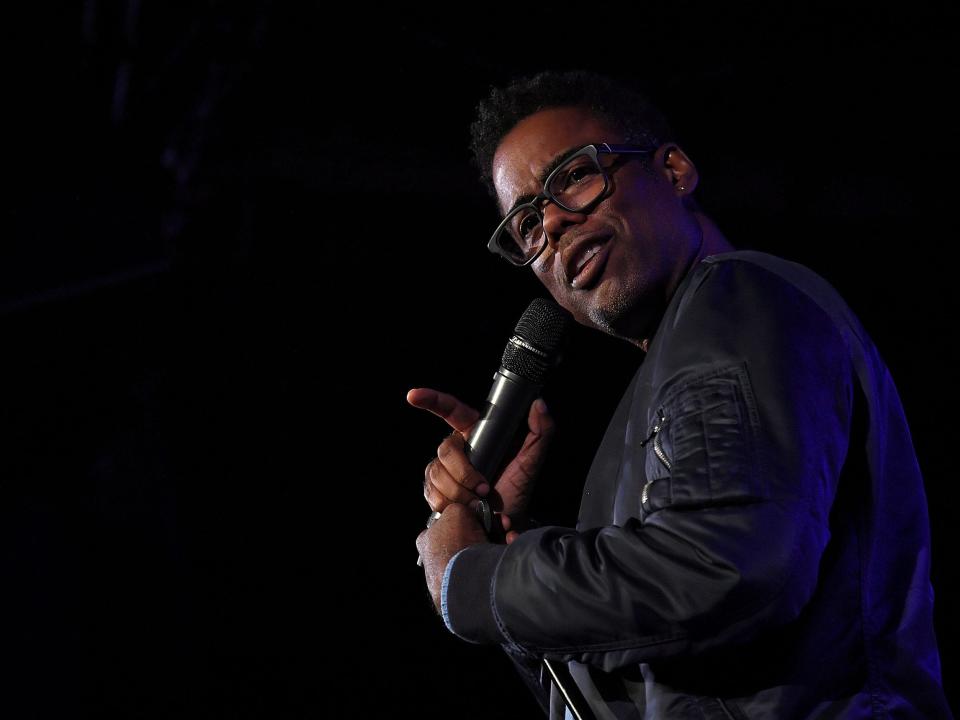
(589,262)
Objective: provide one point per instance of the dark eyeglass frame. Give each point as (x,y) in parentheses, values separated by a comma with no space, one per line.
(590,150)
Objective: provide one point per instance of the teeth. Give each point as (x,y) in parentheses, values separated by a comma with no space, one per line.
(587,255)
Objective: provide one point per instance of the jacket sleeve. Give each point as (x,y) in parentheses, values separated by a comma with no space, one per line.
(753,394)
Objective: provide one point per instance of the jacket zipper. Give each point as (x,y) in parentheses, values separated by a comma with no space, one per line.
(658,439)
(658,449)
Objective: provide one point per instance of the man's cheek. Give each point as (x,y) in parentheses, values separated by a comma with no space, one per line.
(541,267)
(568,304)
(558,291)
(550,283)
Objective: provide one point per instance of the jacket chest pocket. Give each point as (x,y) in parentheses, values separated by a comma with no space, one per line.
(702,444)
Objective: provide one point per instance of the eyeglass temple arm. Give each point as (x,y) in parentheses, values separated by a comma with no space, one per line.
(638,149)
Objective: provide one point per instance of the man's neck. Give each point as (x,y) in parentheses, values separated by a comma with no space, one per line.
(712,243)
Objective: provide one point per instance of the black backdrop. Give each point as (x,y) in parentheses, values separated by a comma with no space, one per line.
(237,234)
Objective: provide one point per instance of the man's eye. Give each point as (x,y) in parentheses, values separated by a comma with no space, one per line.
(578,174)
(528,224)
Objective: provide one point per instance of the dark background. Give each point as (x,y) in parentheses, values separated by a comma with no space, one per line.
(236,234)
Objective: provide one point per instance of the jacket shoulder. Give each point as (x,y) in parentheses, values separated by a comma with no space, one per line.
(758,266)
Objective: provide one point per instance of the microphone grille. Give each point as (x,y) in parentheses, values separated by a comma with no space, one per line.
(536,341)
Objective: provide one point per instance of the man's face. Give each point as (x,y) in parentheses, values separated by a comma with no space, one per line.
(646,238)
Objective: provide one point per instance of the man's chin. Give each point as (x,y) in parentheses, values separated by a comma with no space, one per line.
(610,315)
(620,317)
(607,323)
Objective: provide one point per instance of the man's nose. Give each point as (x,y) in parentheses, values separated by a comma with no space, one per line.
(556,221)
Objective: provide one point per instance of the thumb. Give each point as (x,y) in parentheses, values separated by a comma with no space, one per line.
(540,420)
(534,448)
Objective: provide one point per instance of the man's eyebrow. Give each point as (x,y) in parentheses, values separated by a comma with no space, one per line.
(556,162)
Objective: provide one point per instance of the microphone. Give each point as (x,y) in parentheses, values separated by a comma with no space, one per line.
(530,353)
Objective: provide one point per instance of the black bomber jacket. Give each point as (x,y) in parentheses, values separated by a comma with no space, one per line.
(753,539)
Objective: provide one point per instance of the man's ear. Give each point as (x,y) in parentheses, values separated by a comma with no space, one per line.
(677,168)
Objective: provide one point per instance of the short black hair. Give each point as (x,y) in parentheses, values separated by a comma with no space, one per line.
(613,100)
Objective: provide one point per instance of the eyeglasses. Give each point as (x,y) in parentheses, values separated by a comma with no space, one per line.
(575,185)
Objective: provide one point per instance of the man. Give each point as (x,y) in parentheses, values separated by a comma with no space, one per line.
(753,537)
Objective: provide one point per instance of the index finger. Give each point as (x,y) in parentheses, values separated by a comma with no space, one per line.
(459,416)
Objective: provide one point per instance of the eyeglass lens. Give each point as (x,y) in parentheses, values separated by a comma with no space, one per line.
(574,185)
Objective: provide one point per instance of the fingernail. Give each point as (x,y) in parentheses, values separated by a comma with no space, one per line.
(483,489)
(541,405)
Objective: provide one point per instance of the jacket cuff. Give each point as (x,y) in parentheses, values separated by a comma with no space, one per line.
(467,594)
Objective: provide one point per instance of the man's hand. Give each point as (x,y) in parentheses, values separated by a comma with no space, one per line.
(450,478)
(457,528)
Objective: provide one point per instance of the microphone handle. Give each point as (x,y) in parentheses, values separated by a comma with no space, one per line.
(508,404)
